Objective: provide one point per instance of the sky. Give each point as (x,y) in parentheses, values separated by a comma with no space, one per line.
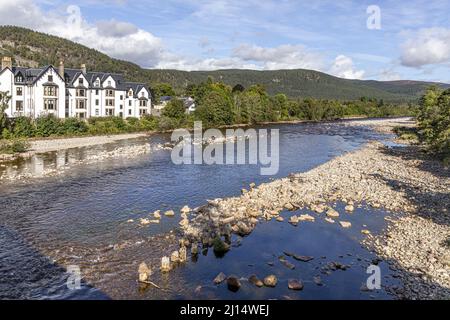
(380,40)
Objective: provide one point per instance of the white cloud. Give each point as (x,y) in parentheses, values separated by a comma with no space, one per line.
(281,57)
(343,67)
(427,46)
(120,40)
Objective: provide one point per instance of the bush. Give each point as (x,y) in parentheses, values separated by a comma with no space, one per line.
(73,126)
(14,146)
(47,126)
(23,127)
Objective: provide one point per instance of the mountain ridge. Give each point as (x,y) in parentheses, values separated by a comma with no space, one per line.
(31,48)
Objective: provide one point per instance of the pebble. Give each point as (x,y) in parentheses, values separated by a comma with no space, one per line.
(253,279)
(345,224)
(270,281)
(220,278)
(233,283)
(294,284)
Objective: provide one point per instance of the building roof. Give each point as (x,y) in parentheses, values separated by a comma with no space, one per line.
(31,75)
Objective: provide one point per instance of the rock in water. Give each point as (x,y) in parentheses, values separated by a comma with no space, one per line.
(185,210)
(280,219)
(293,220)
(295,284)
(270,281)
(255,281)
(169,213)
(332,213)
(220,278)
(286,263)
(157,214)
(144,272)
(220,247)
(365,231)
(233,283)
(345,224)
(165,264)
(329,220)
(182,255)
(349,208)
(302,258)
(144,221)
(318,281)
(174,257)
(306,217)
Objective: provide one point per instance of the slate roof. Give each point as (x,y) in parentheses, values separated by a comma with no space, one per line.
(31,75)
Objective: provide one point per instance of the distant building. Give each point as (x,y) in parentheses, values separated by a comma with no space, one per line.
(71,92)
(189,104)
(160,105)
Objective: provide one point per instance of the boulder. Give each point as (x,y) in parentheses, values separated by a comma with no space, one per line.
(294,284)
(332,213)
(255,281)
(349,208)
(169,213)
(144,272)
(165,264)
(345,224)
(270,281)
(220,278)
(233,283)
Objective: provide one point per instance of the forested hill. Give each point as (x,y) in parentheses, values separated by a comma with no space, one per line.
(29,48)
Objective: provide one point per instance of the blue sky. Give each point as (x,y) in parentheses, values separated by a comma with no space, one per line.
(330,36)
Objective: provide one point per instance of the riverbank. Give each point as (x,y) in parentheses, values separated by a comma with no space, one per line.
(400,179)
(56,144)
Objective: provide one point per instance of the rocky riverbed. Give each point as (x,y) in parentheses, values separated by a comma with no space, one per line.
(399,179)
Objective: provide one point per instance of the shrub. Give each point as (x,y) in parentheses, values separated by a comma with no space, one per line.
(73,126)
(23,127)
(47,126)
(14,146)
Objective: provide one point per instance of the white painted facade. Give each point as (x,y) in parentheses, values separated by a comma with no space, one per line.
(81,94)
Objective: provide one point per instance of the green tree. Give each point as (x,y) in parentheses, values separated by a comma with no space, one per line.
(215,109)
(162,89)
(174,109)
(4,100)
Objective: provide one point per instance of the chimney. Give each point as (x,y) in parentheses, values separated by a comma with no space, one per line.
(61,69)
(83,68)
(6,63)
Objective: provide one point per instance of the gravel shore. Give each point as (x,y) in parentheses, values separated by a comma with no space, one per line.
(400,180)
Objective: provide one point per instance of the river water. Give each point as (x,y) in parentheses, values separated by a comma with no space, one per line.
(82,218)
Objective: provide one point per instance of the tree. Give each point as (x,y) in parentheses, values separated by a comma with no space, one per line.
(4,100)
(174,109)
(162,89)
(215,109)
(238,88)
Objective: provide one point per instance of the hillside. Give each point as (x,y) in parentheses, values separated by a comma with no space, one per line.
(29,48)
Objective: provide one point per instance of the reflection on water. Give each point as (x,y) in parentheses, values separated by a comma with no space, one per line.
(82,217)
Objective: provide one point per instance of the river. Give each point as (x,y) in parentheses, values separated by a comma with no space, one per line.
(82,217)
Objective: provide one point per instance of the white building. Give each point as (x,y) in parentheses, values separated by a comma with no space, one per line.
(71,93)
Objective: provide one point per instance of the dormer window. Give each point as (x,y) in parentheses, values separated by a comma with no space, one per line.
(130,93)
(19,78)
(50,78)
(81,81)
(97,83)
(109,83)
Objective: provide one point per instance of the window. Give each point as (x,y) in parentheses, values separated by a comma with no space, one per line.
(50,78)
(109,102)
(97,83)
(142,112)
(97,112)
(130,93)
(142,103)
(19,78)
(81,93)
(49,104)
(97,102)
(81,81)
(19,91)
(109,83)
(110,112)
(19,106)
(129,112)
(121,97)
(80,104)
(50,91)
(121,107)
(129,103)
(110,93)
(96,92)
